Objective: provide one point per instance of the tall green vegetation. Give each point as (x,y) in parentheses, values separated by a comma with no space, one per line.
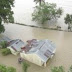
(4,68)
(45,12)
(25,66)
(68,20)
(6,13)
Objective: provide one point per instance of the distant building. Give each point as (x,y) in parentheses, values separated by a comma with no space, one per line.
(38,51)
(15,46)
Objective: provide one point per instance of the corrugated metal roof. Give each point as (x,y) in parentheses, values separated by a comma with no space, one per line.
(44,49)
(17,44)
(41,55)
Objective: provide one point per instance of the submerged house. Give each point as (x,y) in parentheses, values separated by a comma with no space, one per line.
(38,51)
(15,46)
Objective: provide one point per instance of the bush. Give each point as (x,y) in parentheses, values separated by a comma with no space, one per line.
(3,44)
(57,69)
(11,69)
(3,68)
(70,69)
(5,52)
(25,66)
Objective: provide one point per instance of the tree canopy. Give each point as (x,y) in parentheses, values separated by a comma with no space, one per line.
(47,11)
(39,1)
(68,19)
(6,13)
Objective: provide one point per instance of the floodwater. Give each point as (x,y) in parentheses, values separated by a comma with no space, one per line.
(24,8)
(62,40)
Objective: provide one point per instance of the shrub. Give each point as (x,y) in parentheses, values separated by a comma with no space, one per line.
(11,69)
(57,69)
(3,44)
(25,66)
(70,69)
(5,52)
(4,68)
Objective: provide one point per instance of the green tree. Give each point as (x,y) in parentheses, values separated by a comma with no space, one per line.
(45,12)
(39,1)
(6,14)
(1,28)
(68,20)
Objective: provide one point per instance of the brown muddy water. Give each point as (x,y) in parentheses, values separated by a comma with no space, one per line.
(63,41)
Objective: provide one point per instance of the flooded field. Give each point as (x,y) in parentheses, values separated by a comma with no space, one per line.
(63,41)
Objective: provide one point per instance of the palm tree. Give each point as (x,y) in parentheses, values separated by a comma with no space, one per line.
(39,1)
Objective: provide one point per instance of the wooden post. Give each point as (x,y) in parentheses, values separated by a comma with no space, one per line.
(45,64)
